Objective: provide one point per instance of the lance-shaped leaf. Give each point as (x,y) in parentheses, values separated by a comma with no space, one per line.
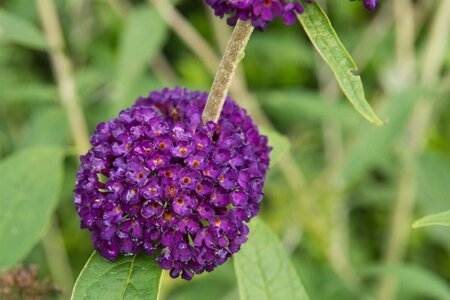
(129,277)
(442,219)
(263,268)
(29,188)
(319,30)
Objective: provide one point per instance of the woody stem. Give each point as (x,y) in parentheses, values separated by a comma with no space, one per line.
(234,53)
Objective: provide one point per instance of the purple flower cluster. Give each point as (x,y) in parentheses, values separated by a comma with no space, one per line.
(262,12)
(259,12)
(157,179)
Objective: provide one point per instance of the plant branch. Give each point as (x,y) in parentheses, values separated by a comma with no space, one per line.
(234,53)
(62,68)
(406,192)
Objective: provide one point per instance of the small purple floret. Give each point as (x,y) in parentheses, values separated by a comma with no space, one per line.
(156,179)
(370,4)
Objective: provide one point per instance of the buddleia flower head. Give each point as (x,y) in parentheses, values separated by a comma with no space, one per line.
(159,181)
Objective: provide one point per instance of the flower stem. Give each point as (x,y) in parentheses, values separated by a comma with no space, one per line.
(234,53)
(63,71)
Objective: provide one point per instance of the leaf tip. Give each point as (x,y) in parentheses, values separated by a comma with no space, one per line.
(379,122)
(374,119)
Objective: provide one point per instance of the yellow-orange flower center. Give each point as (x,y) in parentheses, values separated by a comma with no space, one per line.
(168,216)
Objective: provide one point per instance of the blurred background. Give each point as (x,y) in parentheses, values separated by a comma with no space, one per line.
(344,194)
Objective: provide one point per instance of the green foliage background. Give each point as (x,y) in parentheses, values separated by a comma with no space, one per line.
(336,221)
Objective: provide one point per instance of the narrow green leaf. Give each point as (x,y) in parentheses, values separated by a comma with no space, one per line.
(442,219)
(17,30)
(130,277)
(319,30)
(143,37)
(29,189)
(278,142)
(263,268)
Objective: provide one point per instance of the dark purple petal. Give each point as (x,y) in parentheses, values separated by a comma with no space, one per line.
(370,4)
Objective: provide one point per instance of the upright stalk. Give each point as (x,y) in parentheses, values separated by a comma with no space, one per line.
(234,53)
(62,68)
(397,238)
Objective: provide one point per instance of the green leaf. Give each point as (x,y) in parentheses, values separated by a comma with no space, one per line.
(319,30)
(130,277)
(29,190)
(142,39)
(17,30)
(436,219)
(263,268)
(278,142)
